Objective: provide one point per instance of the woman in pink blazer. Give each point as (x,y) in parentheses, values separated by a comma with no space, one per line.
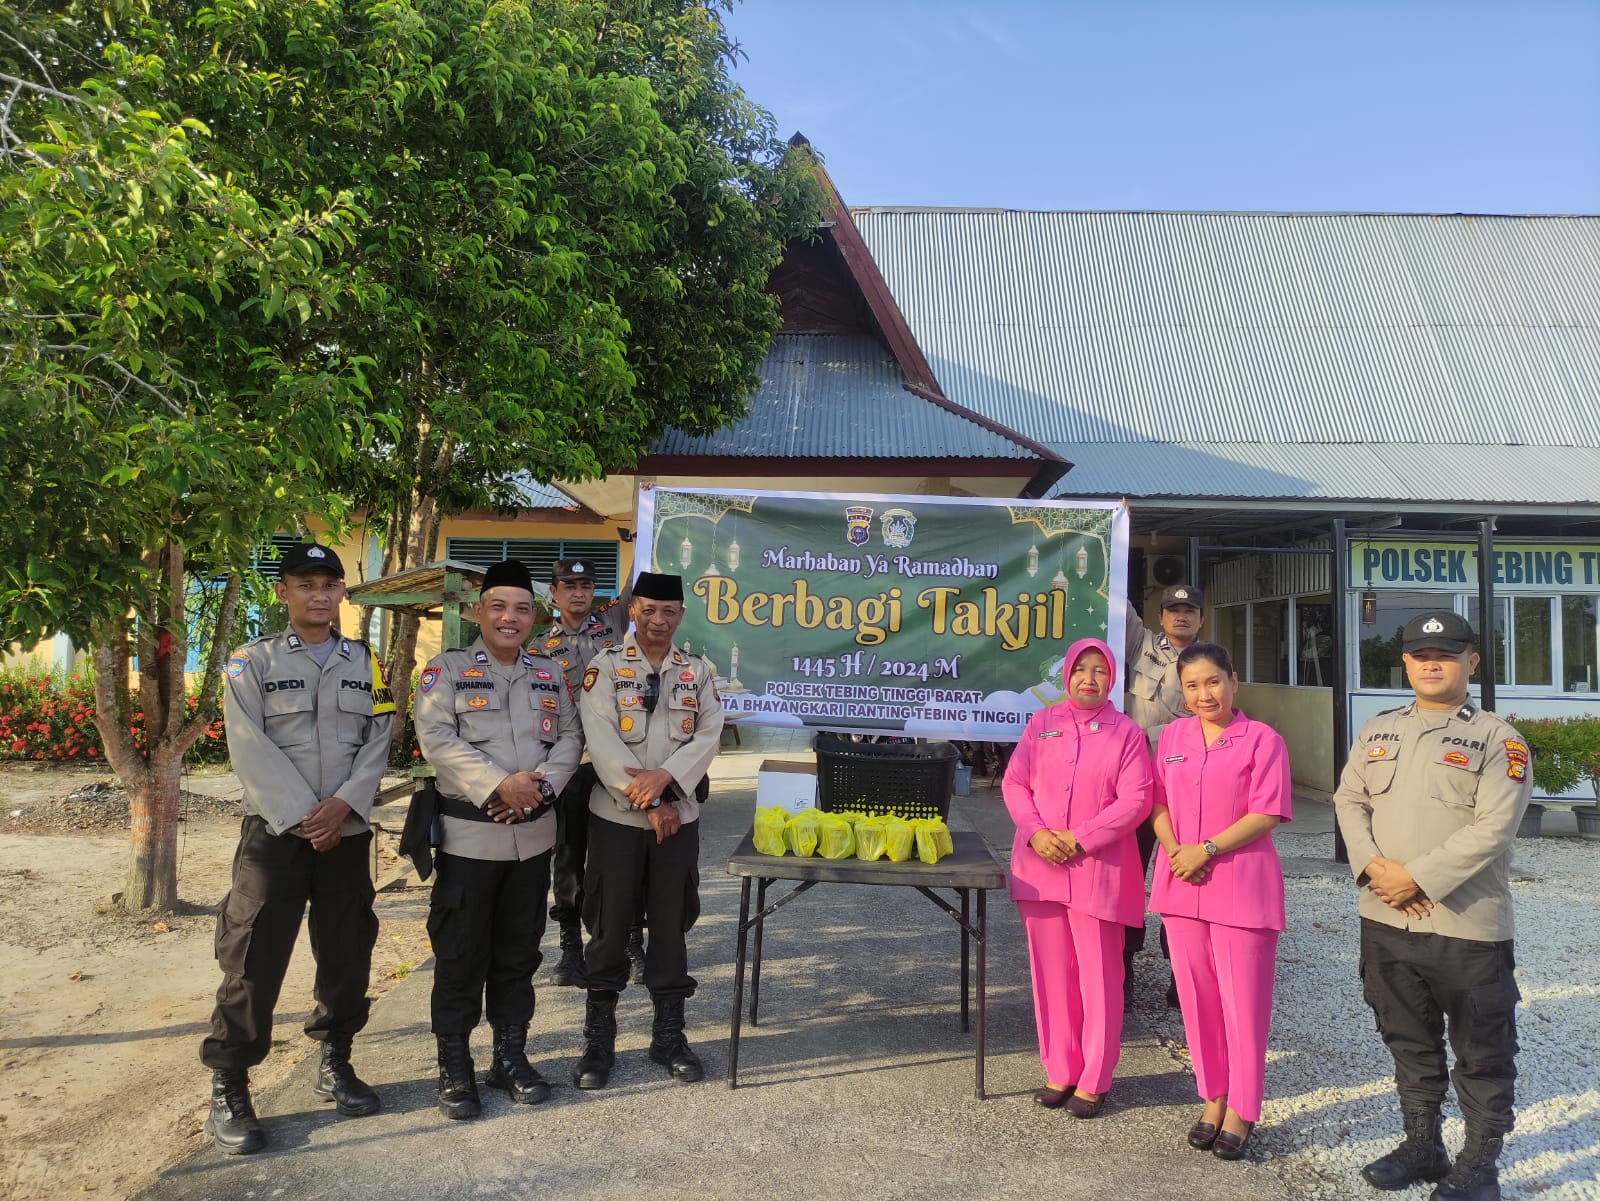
(1221,785)
(1077,786)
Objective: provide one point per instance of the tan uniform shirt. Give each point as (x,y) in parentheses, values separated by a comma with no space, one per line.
(1442,793)
(1154,697)
(682,735)
(478,721)
(573,649)
(299,732)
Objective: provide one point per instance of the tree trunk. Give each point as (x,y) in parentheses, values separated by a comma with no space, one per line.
(417,542)
(153,777)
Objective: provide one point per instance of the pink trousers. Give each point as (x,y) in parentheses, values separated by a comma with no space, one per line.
(1077,993)
(1224,978)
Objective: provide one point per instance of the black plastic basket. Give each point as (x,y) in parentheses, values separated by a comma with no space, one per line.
(861,777)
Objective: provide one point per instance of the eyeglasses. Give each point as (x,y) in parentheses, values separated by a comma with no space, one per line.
(652,691)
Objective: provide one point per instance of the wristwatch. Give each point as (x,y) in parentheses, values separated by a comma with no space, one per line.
(1211,849)
(547,792)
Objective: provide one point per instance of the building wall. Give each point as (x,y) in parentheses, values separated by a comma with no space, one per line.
(1304,717)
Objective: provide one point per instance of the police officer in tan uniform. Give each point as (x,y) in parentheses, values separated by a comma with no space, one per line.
(308,717)
(653,720)
(499,727)
(1154,699)
(1429,804)
(573,639)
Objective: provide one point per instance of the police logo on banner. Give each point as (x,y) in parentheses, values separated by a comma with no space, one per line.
(899,527)
(858,524)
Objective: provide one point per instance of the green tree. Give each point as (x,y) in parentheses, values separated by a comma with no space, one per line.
(162,385)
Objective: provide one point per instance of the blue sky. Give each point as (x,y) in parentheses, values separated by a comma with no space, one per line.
(1393,105)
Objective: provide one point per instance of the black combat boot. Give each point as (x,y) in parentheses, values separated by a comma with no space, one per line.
(569,972)
(337,1081)
(232,1121)
(511,1069)
(636,954)
(1475,1176)
(458,1091)
(1421,1156)
(667,1044)
(593,1069)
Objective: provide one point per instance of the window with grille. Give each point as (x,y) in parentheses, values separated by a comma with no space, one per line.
(538,554)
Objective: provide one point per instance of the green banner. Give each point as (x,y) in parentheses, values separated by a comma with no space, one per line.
(943,617)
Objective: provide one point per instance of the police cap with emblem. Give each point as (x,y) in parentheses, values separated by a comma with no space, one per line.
(570,571)
(1442,629)
(1182,594)
(652,586)
(307,557)
(508,573)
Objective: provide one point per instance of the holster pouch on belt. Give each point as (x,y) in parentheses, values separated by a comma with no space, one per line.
(419,836)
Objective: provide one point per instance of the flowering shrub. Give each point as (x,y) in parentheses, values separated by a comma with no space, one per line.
(49,717)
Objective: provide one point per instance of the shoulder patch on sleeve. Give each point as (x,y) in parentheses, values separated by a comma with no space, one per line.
(1516,759)
(237,663)
(382,695)
(430,676)
(589,677)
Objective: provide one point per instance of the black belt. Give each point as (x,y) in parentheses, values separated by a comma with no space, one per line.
(465,810)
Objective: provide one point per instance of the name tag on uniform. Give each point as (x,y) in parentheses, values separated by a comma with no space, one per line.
(1049,733)
(1173,759)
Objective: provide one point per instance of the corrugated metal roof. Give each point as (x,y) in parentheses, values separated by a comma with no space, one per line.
(1322,338)
(534,495)
(1509,475)
(838,396)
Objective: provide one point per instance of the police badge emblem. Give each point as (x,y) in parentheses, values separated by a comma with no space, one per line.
(858,524)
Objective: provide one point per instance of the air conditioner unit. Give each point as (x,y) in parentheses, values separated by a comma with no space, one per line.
(1166,570)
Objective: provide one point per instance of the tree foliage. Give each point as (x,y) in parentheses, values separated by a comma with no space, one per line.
(265,260)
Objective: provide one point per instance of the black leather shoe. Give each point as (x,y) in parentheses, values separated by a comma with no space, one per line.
(458,1090)
(511,1070)
(1079,1107)
(593,1069)
(1052,1098)
(1231,1146)
(1420,1156)
(337,1082)
(669,1048)
(1475,1175)
(232,1122)
(1202,1135)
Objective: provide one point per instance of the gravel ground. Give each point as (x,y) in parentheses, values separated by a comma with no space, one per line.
(1331,1105)
(103,805)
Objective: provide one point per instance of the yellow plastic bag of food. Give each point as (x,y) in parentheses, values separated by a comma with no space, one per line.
(769,829)
(836,838)
(800,833)
(933,839)
(899,839)
(871,838)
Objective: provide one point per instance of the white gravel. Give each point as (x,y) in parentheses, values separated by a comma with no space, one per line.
(1331,1105)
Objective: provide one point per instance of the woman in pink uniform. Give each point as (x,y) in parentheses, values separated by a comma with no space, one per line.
(1221,785)
(1077,786)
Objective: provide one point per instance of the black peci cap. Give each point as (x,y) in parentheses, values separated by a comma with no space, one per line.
(1442,629)
(508,573)
(307,557)
(653,586)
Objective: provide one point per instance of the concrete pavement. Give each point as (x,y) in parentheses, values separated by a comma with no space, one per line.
(858,1083)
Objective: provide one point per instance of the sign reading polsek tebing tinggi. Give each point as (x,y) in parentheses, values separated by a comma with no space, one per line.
(930,616)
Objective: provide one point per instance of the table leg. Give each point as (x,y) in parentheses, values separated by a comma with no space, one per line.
(966,900)
(738,985)
(755,966)
(983,980)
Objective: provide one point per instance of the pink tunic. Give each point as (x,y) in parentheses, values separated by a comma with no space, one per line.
(1084,770)
(1206,789)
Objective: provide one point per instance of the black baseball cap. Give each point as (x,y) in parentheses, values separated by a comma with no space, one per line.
(569,571)
(1182,594)
(307,557)
(1442,629)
